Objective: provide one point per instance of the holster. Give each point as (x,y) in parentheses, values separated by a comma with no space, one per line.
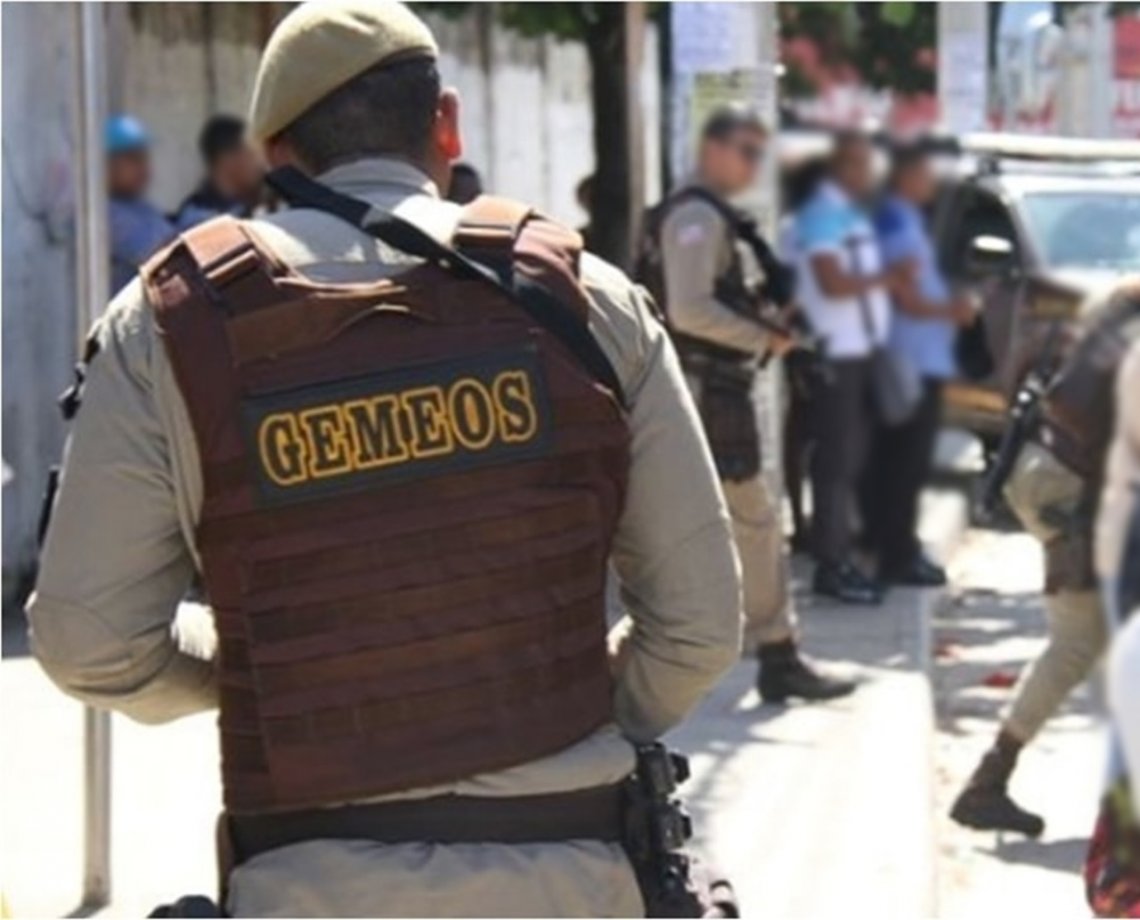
(728,414)
(1069,562)
(672,883)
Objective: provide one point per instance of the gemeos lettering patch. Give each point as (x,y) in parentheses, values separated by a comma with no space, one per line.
(398,425)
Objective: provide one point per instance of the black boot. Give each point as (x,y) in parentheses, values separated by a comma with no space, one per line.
(844,582)
(784,675)
(919,572)
(985,804)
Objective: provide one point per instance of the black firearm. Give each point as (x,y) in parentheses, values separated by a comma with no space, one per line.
(1021,423)
(656,828)
(779,319)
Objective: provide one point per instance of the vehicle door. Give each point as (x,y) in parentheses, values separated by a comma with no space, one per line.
(980,249)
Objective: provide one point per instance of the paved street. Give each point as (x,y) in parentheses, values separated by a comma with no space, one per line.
(811,810)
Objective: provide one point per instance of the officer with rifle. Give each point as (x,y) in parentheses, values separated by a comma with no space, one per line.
(722,289)
(1055,452)
(403,441)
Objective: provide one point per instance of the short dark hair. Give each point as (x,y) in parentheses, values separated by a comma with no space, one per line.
(726,120)
(846,140)
(906,155)
(387,110)
(220,135)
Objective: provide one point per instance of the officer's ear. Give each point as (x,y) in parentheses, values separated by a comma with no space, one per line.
(447,139)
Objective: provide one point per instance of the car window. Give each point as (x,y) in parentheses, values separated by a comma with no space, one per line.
(980,213)
(1085,229)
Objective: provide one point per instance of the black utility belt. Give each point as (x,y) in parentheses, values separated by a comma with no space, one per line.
(716,371)
(583,814)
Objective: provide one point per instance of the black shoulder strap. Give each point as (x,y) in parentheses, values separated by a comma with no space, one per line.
(742,224)
(534,299)
(744,227)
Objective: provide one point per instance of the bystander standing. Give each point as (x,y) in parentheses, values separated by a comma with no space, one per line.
(137,227)
(924,322)
(234,170)
(843,290)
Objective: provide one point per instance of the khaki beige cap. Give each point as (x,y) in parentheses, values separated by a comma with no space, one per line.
(323,44)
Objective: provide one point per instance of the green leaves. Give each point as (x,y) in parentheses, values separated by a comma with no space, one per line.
(898,15)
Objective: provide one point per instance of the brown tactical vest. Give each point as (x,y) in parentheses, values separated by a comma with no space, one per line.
(1079,406)
(410,494)
(725,375)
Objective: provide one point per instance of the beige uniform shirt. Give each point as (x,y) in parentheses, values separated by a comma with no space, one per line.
(696,248)
(1122,475)
(120,554)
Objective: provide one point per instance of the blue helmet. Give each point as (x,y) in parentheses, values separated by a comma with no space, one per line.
(124,134)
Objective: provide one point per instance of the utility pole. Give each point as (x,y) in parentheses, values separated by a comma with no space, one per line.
(963,72)
(92,289)
(635,124)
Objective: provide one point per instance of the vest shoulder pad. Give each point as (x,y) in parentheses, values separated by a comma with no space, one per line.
(220,260)
(514,238)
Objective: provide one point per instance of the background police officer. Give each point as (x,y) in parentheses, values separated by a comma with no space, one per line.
(348,90)
(1054,489)
(711,299)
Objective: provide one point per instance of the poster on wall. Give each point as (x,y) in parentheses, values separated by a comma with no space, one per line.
(1125,116)
(962,66)
(722,53)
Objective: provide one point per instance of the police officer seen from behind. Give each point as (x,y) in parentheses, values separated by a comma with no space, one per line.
(842,287)
(712,296)
(1054,490)
(402,467)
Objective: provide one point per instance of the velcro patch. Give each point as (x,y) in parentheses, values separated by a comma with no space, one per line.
(396,426)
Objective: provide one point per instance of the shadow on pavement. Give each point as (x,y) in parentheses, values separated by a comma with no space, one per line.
(1066,855)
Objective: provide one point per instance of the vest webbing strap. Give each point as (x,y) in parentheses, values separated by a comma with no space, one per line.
(534,299)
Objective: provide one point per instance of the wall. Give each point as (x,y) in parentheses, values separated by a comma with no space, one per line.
(526,116)
(38,327)
(175,64)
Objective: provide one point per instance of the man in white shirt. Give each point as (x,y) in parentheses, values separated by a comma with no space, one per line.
(842,289)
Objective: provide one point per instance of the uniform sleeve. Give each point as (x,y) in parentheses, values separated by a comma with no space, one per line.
(1122,475)
(673,552)
(692,237)
(116,562)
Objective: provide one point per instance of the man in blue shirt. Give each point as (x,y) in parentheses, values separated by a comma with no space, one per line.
(137,227)
(924,321)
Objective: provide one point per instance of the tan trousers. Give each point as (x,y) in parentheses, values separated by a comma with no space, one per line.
(760,542)
(1078,633)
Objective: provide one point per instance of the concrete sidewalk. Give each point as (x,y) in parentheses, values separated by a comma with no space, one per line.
(827,810)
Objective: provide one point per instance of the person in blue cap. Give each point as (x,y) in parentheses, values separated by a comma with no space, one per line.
(138,228)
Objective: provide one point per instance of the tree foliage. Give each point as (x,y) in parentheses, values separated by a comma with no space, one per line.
(888,45)
(601,28)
